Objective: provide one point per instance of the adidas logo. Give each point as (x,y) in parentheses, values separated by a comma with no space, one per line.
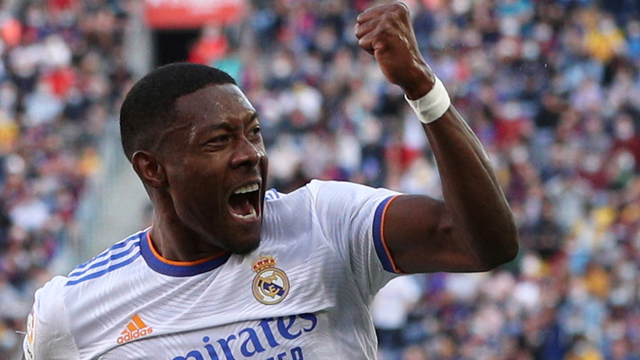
(136,328)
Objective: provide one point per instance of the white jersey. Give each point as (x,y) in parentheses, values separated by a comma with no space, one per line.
(305,293)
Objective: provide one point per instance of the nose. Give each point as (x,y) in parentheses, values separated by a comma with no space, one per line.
(247,154)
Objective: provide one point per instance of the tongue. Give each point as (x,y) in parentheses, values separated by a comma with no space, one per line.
(240,204)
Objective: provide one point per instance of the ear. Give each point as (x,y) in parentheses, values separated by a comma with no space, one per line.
(149,169)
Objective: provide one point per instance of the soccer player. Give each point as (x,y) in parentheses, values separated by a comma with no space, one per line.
(229,270)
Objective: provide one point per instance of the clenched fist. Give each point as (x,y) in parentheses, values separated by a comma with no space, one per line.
(385,32)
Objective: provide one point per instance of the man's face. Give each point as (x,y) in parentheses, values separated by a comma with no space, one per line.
(216,167)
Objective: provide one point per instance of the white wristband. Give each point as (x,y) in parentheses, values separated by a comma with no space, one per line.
(433,105)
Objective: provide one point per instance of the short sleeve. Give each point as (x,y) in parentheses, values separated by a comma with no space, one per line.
(48,337)
(352,217)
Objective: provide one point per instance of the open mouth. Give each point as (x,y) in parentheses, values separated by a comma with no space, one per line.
(244,203)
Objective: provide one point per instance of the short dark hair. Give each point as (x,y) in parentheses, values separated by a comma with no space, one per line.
(149,107)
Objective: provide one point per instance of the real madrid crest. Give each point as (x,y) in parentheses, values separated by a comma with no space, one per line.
(271,285)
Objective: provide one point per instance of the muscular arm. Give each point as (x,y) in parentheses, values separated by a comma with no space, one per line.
(473,228)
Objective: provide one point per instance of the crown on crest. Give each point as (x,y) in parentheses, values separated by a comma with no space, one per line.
(264,262)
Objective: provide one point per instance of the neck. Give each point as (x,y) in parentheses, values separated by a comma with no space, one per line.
(175,242)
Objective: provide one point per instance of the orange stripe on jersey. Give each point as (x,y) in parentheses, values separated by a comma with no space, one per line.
(178,263)
(382,238)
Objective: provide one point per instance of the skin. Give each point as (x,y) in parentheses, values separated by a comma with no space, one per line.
(473,229)
(213,148)
(189,183)
(201,161)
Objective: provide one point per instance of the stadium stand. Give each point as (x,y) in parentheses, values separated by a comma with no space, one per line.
(551,87)
(61,77)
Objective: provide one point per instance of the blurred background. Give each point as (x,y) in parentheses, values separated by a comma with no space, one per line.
(551,87)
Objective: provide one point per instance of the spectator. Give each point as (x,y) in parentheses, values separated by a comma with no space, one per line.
(54,75)
(551,88)
(390,311)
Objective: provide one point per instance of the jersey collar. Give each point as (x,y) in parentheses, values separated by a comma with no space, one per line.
(178,268)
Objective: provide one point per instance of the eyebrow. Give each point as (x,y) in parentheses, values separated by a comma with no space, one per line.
(226,125)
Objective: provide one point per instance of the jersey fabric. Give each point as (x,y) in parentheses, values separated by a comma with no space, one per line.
(305,293)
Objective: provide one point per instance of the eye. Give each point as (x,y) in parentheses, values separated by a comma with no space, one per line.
(256,130)
(221,139)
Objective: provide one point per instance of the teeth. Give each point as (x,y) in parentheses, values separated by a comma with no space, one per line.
(246,189)
(251,215)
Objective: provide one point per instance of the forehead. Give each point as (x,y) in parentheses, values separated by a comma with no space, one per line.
(212,104)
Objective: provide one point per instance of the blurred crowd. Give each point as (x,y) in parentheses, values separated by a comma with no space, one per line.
(61,76)
(551,87)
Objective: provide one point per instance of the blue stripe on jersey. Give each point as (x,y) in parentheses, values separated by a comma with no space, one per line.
(106,253)
(378,237)
(105,271)
(106,261)
(272,194)
(178,270)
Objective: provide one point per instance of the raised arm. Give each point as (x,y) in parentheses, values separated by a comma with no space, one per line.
(473,228)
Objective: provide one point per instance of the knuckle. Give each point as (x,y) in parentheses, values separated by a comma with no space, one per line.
(386,28)
(401,8)
(392,19)
(401,12)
